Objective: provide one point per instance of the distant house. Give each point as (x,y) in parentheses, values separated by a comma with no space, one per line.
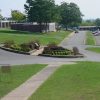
(91,28)
(5,23)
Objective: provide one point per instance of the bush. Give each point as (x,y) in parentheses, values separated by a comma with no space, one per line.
(75,50)
(8,43)
(25,47)
(56,52)
(16,47)
(53,44)
(53,49)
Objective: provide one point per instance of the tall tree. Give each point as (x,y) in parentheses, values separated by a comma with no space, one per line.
(97,22)
(1,17)
(70,15)
(88,22)
(40,11)
(18,16)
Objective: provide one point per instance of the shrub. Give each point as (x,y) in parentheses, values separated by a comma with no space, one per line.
(75,50)
(8,43)
(25,47)
(16,47)
(53,44)
(53,49)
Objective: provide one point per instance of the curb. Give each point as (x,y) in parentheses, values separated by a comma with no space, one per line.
(69,56)
(14,51)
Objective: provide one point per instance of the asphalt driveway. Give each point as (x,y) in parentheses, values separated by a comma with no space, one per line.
(75,40)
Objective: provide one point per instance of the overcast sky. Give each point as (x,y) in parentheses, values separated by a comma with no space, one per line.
(90,8)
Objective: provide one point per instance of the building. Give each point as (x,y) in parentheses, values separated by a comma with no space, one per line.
(91,28)
(34,27)
(52,27)
(5,23)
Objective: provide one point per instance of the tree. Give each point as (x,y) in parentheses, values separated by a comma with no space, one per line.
(88,22)
(1,17)
(97,22)
(18,16)
(71,15)
(40,11)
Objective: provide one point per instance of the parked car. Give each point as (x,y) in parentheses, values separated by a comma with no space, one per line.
(94,32)
(97,33)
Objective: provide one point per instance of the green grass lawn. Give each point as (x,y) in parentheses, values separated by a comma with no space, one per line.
(72,82)
(90,39)
(94,49)
(44,38)
(19,74)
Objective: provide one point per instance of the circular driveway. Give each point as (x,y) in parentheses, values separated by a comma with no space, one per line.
(75,40)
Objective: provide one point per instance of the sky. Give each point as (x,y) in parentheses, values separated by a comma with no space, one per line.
(89,8)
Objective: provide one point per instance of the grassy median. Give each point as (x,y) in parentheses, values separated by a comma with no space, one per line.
(72,82)
(90,39)
(94,49)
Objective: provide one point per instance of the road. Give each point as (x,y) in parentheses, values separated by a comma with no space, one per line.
(97,38)
(75,40)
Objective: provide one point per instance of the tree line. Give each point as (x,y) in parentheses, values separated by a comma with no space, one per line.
(91,22)
(46,11)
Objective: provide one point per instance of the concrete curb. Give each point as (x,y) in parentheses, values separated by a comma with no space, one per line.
(14,51)
(67,56)
(33,52)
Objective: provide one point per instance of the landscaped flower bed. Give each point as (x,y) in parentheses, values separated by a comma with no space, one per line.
(23,48)
(53,50)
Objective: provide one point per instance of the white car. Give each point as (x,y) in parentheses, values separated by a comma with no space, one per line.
(97,33)
(94,32)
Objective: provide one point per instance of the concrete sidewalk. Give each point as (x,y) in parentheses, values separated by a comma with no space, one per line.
(37,52)
(24,91)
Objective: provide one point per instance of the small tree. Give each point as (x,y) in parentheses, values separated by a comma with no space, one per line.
(1,17)
(18,16)
(88,22)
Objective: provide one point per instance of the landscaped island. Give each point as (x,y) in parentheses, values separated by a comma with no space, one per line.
(28,46)
(94,49)
(25,42)
(52,50)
